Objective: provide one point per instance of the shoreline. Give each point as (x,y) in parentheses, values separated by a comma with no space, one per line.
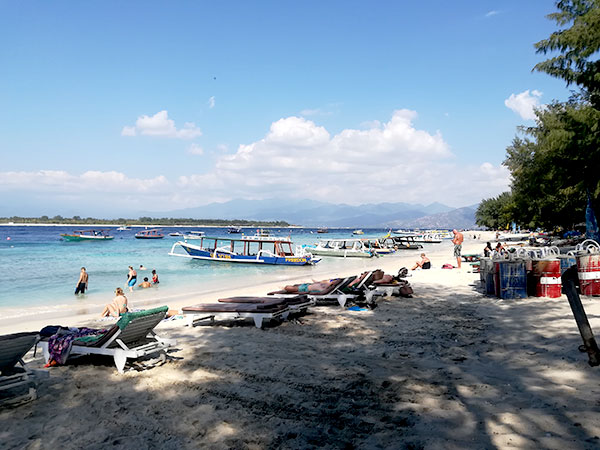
(71,314)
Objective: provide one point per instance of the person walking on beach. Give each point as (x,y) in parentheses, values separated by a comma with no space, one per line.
(457,241)
(131,278)
(82,283)
(118,305)
(154,277)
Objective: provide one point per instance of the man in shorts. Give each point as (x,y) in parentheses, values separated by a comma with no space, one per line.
(82,283)
(457,241)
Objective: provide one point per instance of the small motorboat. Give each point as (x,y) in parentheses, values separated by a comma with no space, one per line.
(358,232)
(176,234)
(234,230)
(124,228)
(194,235)
(87,235)
(149,234)
(322,230)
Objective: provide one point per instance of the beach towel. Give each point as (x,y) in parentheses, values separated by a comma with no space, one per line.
(447,266)
(59,344)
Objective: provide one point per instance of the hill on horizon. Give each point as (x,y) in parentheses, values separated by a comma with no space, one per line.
(313,213)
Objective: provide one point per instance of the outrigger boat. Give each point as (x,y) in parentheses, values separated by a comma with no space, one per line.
(400,242)
(88,235)
(248,249)
(345,248)
(149,234)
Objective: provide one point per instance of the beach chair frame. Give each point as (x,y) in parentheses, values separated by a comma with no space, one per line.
(136,340)
(23,376)
(194,318)
(336,294)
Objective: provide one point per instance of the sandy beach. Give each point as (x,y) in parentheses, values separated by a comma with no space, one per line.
(447,369)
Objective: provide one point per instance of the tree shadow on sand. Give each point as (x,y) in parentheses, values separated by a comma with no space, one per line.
(441,370)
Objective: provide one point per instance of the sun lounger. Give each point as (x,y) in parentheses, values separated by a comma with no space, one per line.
(256,311)
(295,304)
(339,291)
(17,384)
(132,337)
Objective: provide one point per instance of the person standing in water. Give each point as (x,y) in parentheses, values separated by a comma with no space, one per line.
(131,278)
(82,283)
(154,277)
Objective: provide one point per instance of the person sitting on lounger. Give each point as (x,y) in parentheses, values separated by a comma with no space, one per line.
(316,286)
(118,305)
(423,264)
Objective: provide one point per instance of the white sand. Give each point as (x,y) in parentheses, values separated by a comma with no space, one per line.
(447,369)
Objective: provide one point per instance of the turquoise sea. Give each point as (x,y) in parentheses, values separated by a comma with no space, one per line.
(39,269)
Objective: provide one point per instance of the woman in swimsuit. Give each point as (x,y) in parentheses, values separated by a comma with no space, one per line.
(118,305)
(131,278)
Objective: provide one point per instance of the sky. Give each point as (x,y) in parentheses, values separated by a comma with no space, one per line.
(115,107)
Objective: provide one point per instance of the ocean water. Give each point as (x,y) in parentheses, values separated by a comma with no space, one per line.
(39,270)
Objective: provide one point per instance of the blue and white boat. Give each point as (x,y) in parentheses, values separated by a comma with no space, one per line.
(253,250)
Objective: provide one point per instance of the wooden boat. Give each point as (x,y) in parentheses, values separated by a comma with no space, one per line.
(87,235)
(149,234)
(345,248)
(400,242)
(253,250)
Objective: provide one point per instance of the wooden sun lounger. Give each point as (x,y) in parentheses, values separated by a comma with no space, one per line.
(255,311)
(297,303)
(132,337)
(17,384)
(339,291)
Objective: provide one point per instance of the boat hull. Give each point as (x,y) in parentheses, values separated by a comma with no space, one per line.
(340,253)
(76,238)
(149,237)
(206,255)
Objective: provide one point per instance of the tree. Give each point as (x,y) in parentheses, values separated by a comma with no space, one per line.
(496,212)
(555,165)
(577,45)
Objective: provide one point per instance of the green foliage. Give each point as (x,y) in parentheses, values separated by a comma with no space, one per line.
(577,46)
(496,212)
(554,165)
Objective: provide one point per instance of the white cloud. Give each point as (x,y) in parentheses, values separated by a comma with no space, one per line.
(390,161)
(491,13)
(160,125)
(211,102)
(222,148)
(525,103)
(90,181)
(195,149)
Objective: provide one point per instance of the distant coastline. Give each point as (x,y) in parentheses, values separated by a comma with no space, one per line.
(141,222)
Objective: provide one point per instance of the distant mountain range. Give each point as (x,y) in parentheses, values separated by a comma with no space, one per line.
(319,214)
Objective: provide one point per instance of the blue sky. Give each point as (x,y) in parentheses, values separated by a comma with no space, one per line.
(338,101)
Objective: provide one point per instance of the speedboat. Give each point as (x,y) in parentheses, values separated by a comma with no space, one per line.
(345,248)
(149,234)
(194,235)
(358,232)
(245,250)
(87,235)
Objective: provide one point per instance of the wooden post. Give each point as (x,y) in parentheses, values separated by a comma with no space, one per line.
(569,280)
